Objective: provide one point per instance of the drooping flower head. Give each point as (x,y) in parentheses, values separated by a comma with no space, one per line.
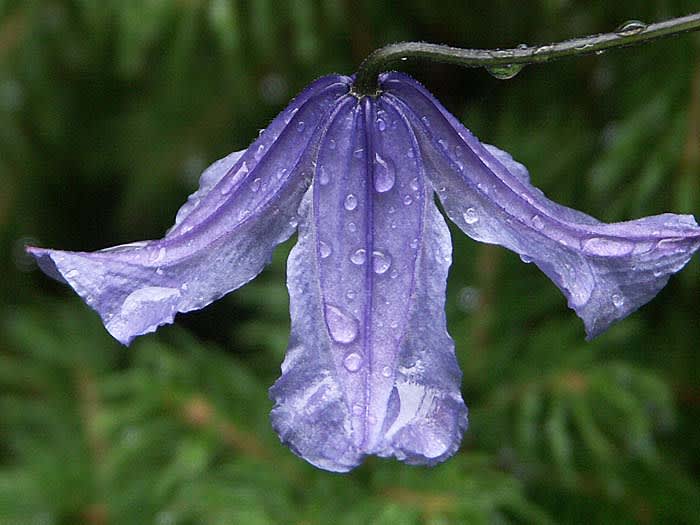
(370,367)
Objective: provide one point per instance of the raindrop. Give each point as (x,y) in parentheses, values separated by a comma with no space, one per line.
(658,273)
(630,28)
(443,144)
(228,183)
(414,184)
(381,125)
(537,222)
(324,250)
(255,185)
(409,153)
(525,259)
(618,300)
(381,262)
(300,126)
(394,273)
(323,177)
(350,202)
(607,247)
(157,255)
(260,151)
(72,273)
(352,362)
(470,216)
(506,71)
(281,172)
(341,325)
(414,243)
(358,153)
(359,257)
(386,371)
(331,144)
(350,295)
(425,120)
(352,227)
(407,199)
(384,175)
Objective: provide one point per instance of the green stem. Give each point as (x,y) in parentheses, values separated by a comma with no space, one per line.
(510,61)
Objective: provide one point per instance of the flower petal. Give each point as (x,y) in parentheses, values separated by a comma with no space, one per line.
(222,237)
(370,367)
(606,271)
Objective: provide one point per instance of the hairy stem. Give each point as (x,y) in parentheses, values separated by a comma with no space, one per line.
(507,62)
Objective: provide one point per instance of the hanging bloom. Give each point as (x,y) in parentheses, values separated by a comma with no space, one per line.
(370,367)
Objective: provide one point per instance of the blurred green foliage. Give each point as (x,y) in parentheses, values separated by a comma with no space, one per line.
(110,109)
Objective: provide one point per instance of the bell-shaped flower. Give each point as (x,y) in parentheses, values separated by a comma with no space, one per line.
(370,367)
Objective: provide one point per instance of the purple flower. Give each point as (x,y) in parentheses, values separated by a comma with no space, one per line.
(370,367)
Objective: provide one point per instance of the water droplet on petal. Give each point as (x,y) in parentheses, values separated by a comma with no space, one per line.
(359,153)
(255,185)
(409,153)
(414,184)
(407,200)
(537,222)
(352,227)
(443,143)
(158,255)
(259,152)
(630,28)
(281,172)
(324,250)
(414,243)
(394,273)
(525,259)
(229,182)
(350,202)
(381,262)
(342,326)
(72,274)
(386,371)
(324,176)
(331,144)
(350,295)
(384,174)
(359,257)
(606,247)
(300,126)
(658,273)
(505,71)
(425,120)
(470,216)
(618,300)
(352,362)
(381,125)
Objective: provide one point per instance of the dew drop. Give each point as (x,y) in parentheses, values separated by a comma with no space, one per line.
(381,125)
(414,184)
(323,177)
(630,28)
(72,274)
(341,325)
(525,259)
(255,185)
(324,250)
(386,371)
(537,222)
(350,202)
(443,144)
(470,216)
(350,295)
(352,227)
(607,247)
(300,126)
(359,257)
(394,273)
(407,199)
(381,262)
(409,153)
(157,256)
(425,121)
(281,172)
(353,362)
(358,153)
(384,175)
(331,144)
(618,300)
(658,273)
(504,72)
(259,152)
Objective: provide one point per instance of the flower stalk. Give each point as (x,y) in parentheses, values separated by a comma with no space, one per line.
(506,63)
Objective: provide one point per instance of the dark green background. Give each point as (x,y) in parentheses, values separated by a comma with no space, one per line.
(109,110)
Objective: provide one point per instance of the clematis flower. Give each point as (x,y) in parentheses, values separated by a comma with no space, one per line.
(370,368)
